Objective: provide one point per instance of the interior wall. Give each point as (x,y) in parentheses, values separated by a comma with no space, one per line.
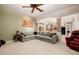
(58,24)
(75,20)
(9,25)
(44,22)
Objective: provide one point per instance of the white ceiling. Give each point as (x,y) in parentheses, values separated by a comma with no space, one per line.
(16,9)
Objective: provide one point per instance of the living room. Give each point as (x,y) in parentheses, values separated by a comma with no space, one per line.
(48,23)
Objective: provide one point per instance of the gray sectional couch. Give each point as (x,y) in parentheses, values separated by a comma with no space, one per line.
(44,36)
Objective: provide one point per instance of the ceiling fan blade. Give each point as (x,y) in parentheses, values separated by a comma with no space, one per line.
(39,9)
(26,6)
(39,4)
(32,10)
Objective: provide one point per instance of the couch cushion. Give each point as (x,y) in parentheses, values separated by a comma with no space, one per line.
(46,34)
(74,42)
(73,46)
(53,34)
(43,37)
(76,39)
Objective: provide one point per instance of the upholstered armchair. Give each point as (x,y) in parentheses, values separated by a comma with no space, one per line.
(73,41)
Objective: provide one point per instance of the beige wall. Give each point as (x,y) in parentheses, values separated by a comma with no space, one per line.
(8,26)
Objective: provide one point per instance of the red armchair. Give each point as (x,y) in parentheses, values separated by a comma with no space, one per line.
(73,41)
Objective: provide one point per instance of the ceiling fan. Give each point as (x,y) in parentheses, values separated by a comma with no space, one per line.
(34,6)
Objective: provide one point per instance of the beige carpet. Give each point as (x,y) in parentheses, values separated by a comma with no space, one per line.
(35,47)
